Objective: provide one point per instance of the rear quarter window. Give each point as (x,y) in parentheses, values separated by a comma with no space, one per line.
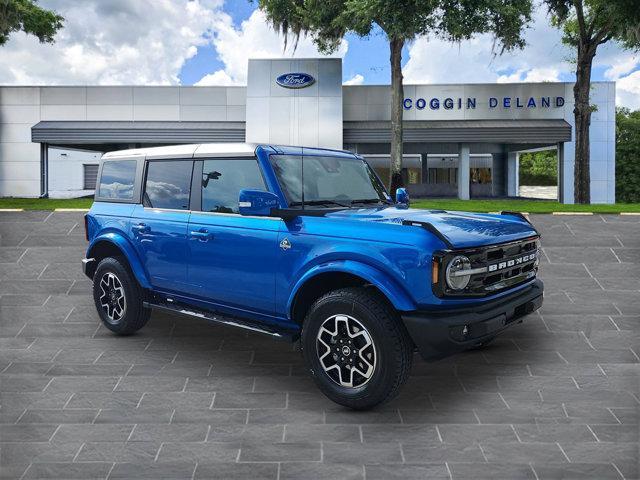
(117,180)
(168,184)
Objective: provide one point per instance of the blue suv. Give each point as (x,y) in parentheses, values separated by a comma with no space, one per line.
(304,244)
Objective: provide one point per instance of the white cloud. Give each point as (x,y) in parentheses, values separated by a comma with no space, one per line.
(114,42)
(628,91)
(622,65)
(545,58)
(621,70)
(357,79)
(531,75)
(436,61)
(219,77)
(253,39)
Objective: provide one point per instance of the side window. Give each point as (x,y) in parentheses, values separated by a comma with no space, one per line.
(168,184)
(222,181)
(117,179)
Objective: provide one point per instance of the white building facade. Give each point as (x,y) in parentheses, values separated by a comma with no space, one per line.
(460,140)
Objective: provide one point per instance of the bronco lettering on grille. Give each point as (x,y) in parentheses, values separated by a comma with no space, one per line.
(512,262)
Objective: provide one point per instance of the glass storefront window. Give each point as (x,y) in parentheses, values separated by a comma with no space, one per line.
(480,175)
(413,176)
(443,175)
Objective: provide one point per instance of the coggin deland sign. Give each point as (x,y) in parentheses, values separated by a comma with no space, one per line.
(302,80)
(469,103)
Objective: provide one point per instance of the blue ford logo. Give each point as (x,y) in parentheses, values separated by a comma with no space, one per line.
(295,80)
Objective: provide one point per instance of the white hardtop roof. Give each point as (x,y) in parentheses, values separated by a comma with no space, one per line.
(185,151)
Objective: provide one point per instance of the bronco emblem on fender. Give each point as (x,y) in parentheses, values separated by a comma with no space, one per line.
(285,244)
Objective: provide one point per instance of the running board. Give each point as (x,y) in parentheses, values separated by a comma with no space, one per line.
(223,319)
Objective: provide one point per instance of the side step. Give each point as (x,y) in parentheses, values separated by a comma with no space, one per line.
(191,311)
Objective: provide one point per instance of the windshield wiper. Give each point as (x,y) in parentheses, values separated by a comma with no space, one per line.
(319,202)
(368,200)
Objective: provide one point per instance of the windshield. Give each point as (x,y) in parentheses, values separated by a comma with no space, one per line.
(328,181)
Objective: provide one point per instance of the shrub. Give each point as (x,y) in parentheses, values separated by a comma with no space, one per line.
(539,168)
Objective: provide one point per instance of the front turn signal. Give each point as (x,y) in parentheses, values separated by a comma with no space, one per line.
(435,271)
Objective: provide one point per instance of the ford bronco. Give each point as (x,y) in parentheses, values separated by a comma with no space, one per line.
(304,244)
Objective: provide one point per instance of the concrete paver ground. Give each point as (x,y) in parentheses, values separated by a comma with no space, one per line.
(555,397)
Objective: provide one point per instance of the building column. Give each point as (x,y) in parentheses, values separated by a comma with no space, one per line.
(463,171)
(44,170)
(561,174)
(513,167)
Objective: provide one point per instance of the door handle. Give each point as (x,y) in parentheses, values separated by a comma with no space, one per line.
(202,235)
(141,228)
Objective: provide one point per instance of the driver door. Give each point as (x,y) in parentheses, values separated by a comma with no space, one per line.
(232,257)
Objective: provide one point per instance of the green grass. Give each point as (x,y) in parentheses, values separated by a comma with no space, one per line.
(531,206)
(45,203)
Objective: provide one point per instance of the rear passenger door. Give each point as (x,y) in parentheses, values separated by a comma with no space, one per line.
(232,257)
(159,225)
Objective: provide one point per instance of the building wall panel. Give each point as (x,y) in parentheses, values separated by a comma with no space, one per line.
(109,95)
(110,112)
(156,112)
(19,95)
(156,95)
(63,95)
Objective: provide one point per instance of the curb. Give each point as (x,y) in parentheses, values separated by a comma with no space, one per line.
(70,209)
(571,213)
(11,209)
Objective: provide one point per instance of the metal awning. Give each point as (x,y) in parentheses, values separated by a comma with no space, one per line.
(476,131)
(434,131)
(65,133)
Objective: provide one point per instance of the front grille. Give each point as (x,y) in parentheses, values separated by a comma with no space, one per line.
(496,267)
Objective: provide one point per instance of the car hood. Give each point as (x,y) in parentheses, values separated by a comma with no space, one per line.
(461,229)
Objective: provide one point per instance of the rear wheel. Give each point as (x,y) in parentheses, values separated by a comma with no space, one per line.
(356,347)
(118,297)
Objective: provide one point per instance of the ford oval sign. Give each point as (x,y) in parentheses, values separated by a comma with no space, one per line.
(295,80)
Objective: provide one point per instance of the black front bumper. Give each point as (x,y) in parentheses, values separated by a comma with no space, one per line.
(88,266)
(440,333)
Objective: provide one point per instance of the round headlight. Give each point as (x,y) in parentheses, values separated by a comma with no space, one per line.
(455,276)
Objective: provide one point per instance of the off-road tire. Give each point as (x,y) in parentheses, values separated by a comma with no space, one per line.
(134,315)
(393,346)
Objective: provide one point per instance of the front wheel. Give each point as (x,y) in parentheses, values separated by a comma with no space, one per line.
(356,347)
(118,297)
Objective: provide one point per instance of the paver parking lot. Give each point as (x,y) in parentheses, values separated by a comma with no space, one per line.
(555,397)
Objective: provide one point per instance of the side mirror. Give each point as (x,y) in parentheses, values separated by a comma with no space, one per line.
(257,202)
(402,197)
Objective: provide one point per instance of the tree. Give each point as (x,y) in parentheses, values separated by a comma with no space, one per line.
(28,17)
(587,24)
(327,22)
(539,168)
(627,156)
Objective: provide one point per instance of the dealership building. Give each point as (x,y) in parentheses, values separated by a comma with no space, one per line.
(460,140)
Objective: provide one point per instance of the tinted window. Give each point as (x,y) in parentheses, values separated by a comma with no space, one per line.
(168,184)
(222,181)
(117,179)
(288,169)
(336,179)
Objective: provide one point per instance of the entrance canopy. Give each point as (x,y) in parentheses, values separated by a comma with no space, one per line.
(457,131)
(80,132)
